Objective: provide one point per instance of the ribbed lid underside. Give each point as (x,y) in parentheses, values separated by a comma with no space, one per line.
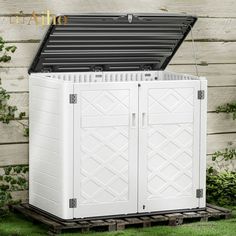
(112,43)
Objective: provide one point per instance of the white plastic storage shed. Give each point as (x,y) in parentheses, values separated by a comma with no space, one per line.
(111,132)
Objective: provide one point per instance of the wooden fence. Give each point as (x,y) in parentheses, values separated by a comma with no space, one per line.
(215,42)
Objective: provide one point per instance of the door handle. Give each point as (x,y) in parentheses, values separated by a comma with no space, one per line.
(144,117)
(133,120)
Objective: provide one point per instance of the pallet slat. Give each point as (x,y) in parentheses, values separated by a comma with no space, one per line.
(159,218)
(39,217)
(213,211)
(218,208)
(191,215)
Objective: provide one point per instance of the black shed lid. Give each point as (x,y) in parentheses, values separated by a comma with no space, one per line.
(112,42)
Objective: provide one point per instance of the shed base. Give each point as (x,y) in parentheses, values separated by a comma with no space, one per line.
(113,223)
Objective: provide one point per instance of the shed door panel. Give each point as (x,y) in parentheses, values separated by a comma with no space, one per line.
(106,131)
(168,145)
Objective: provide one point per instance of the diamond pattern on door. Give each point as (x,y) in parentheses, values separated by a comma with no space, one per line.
(107,156)
(170,100)
(170,150)
(170,146)
(105,149)
(105,102)
(106,146)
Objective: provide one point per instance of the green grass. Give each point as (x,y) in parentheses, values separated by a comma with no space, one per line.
(16,225)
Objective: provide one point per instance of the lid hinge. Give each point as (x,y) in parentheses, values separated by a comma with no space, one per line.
(130,18)
(73,98)
(72,203)
(199,193)
(46,70)
(200,94)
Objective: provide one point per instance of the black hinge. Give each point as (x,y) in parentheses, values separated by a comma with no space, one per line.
(199,193)
(72,203)
(46,70)
(200,94)
(73,98)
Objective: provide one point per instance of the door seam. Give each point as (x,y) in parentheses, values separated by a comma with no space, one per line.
(138,148)
(73,181)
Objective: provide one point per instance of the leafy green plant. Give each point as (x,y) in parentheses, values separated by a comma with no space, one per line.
(5,50)
(13,178)
(8,112)
(227,108)
(226,155)
(221,187)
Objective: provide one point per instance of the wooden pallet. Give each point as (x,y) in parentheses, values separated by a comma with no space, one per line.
(56,225)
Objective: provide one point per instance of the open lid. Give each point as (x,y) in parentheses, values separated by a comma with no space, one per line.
(112,42)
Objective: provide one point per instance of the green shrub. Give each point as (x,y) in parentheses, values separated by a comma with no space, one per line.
(225,155)
(221,187)
(228,108)
(13,178)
